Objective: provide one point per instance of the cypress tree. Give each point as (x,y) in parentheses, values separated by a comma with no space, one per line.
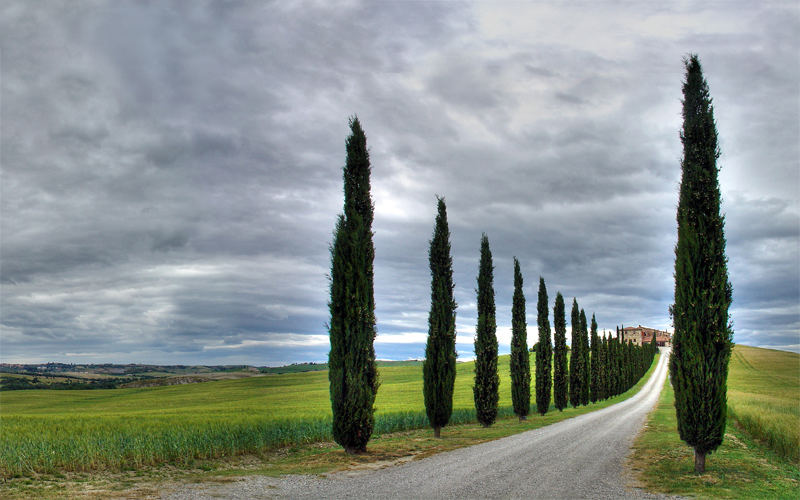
(352,370)
(439,369)
(612,366)
(628,365)
(604,367)
(596,383)
(702,341)
(487,381)
(608,389)
(621,361)
(560,374)
(520,364)
(575,358)
(617,363)
(544,352)
(653,348)
(586,375)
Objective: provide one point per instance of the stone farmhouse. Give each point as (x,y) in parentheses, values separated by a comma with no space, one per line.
(643,335)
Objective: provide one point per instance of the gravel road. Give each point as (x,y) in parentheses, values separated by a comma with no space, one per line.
(581,457)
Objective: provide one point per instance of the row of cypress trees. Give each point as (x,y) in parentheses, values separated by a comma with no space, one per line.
(703,295)
(602,367)
(599,368)
(353,374)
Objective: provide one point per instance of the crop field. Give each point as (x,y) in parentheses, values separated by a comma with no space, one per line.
(764,397)
(47,430)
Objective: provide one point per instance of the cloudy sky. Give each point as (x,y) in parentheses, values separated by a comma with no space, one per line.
(171,171)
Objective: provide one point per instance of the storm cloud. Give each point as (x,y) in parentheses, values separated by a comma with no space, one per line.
(171,171)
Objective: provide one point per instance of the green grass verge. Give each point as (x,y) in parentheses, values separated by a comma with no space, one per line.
(746,465)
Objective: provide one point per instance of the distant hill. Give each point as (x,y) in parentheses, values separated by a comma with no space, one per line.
(114,376)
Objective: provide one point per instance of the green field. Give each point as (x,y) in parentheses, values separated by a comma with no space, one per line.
(764,397)
(759,455)
(46,431)
(49,431)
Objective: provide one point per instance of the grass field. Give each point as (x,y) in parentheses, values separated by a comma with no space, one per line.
(764,397)
(758,457)
(47,431)
(44,431)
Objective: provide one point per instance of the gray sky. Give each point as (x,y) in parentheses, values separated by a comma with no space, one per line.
(171,171)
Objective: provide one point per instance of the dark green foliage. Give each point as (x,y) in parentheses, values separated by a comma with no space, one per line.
(519,363)
(544,352)
(603,392)
(620,363)
(702,341)
(607,384)
(585,373)
(627,365)
(439,368)
(596,366)
(487,381)
(576,358)
(616,362)
(560,374)
(353,373)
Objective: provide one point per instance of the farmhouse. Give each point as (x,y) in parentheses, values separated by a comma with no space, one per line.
(643,335)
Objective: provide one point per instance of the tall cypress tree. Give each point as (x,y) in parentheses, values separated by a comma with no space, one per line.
(586,375)
(575,357)
(544,353)
(487,381)
(618,366)
(653,347)
(352,370)
(439,369)
(612,360)
(520,364)
(560,373)
(596,366)
(627,365)
(603,391)
(702,341)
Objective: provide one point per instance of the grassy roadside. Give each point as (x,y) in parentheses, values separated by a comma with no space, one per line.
(739,468)
(313,458)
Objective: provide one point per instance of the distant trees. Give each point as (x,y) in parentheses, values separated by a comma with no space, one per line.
(487,381)
(702,340)
(584,338)
(520,357)
(353,373)
(576,375)
(596,367)
(602,369)
(439,368)
(560,374)
(544,352)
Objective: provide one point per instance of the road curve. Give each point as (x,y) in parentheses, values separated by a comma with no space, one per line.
(581,457)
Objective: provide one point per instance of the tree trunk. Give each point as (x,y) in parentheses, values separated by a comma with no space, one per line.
(437,431)
(523,418)
(355,451)
(699,462)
